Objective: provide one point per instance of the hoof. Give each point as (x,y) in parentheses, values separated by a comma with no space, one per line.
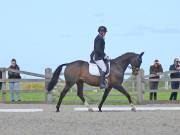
(100,110)
(133,109)
(90,110)
(57,111)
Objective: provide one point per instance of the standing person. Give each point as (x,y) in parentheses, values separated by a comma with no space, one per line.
(175,84)
(14,85)
(0,78)
(98,55)
(154,69)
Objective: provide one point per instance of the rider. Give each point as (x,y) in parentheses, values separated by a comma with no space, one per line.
(98,55)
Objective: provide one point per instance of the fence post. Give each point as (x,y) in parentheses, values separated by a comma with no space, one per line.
(4,86)
(140,86)
(166,76)
(48,76)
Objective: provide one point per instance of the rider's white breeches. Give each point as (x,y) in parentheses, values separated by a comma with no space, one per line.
(101,64)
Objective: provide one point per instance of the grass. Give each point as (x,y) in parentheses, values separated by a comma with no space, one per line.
(93,97)
(116,98)
(161,95)
(27,97)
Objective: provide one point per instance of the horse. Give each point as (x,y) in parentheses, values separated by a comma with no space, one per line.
(77,72)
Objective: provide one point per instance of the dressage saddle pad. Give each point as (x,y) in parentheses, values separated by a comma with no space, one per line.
(94,70)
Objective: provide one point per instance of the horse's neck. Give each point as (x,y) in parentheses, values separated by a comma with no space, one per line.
(124,65)
(123,62)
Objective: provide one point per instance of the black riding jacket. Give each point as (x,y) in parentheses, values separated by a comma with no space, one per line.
(99,47)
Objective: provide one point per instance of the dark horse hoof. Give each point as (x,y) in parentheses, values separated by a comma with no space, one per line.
(57,111)
(100,110)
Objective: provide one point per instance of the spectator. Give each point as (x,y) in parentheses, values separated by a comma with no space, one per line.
(0,78)
(175,84)
(154,69)
(14,85)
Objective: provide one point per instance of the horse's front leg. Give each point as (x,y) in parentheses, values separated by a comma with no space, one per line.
(106,92)
(121,89)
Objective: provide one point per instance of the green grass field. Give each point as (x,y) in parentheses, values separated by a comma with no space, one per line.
(92,97)
(36,97)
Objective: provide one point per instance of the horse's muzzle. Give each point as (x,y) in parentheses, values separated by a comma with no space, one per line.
(135,71)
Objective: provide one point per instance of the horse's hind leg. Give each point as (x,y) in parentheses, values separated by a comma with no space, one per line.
(62,95)
(121,89)
(80,91)
(80,95)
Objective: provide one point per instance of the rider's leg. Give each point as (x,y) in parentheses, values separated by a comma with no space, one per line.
(102,67)
(102,80)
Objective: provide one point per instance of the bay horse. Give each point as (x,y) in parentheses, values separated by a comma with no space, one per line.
(77,73)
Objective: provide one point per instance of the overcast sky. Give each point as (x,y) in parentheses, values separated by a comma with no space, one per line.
(46,33)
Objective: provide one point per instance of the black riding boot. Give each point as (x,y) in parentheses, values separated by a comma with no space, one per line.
(102,80)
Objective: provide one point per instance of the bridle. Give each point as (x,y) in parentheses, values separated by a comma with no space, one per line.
(134,68)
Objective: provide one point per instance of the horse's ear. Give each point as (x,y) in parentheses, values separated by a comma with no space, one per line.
(140,55)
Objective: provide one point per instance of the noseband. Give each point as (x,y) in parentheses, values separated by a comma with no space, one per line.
(134,68)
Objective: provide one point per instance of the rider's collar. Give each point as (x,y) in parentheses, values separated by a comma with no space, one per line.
(101,36)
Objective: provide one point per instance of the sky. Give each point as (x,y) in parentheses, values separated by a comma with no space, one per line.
(47,33)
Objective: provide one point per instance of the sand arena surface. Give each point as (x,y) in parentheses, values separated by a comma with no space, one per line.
(69,122)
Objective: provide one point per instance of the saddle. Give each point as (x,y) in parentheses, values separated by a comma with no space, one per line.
(95,70)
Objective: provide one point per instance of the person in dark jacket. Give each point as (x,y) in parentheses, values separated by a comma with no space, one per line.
(0,78)
(14,85)
(98,55)
(175,84)
(154,69)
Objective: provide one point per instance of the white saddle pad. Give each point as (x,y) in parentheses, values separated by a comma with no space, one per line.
(94,70)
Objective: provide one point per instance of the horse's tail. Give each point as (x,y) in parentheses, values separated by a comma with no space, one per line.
(55,77)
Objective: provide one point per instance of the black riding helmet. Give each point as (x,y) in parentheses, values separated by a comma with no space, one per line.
(102,29)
